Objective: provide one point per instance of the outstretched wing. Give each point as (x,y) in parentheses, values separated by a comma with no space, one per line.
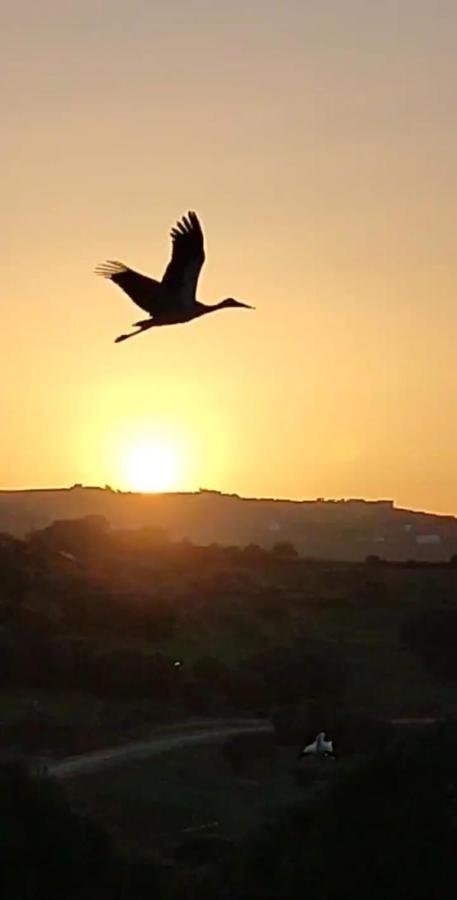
(187,258)
(142,290)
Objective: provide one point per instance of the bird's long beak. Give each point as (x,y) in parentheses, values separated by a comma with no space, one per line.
(246,305)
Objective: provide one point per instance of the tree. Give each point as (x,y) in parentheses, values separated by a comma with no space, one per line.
(84,537)
(374,560)
(284,550)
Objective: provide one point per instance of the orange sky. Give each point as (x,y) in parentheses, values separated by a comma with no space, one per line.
(318,144)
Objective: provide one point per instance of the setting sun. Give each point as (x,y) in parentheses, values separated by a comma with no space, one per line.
(152,467)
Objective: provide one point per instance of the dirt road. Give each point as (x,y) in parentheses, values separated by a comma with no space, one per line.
(170,737)
(167,738)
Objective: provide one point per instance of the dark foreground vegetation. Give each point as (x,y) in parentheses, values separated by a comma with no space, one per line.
(381,825)
(92,624)
(48,851)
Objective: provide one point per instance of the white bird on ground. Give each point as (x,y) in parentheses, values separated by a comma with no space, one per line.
(319,747)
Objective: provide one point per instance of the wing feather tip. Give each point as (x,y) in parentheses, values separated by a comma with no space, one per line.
(110,268)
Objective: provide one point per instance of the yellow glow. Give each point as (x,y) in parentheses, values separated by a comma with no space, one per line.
(151,467)
(334,218)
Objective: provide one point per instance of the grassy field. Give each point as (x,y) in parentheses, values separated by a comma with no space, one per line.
(151,805)
(356,609)
(384,677)
(207,604)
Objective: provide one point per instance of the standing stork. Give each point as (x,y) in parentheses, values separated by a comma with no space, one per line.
(172,300)
(319,748)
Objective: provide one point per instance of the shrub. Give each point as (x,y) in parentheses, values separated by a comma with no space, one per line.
(385,827)
(47,851)
(284,550)
(246,690)
(210,670)
(242,750)
(363,734)
(303,672)
(296,725)
(432,635)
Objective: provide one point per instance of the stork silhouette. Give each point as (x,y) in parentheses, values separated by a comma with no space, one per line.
(172,300)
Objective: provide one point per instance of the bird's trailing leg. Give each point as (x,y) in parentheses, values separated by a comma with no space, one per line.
(143,326)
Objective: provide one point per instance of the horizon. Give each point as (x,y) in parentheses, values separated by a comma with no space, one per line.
(234,494)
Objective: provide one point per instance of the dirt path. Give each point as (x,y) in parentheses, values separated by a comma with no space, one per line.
(166,739)
(170,737)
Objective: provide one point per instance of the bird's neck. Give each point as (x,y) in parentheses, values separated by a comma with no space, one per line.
(209,307)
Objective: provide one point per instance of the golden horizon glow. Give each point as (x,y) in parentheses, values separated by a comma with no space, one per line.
(316,145)
(152,467)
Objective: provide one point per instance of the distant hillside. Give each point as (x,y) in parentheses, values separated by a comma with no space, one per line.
(343,529)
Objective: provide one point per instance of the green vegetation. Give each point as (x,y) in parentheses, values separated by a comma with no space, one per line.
(49,851)
(160,802)
(89,612)
(91,624)
(376,824)
(91,621)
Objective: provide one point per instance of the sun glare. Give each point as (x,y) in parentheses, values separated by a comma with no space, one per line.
(152,467)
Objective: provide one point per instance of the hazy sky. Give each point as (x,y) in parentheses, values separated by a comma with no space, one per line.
(318,143)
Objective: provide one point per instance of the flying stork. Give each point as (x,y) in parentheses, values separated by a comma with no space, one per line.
(173,299)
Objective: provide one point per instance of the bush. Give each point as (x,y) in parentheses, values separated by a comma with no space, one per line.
(15,572)
(310,772)
(197,696)
(246,690)
(360,734)
(273,606)
(8,653)
(294,725)
(210,670)
(85,537)
(284,550)
(46,851)
(202,849)
(373,560)
(385,827)
(130,673)
(304,672)
(244,749)
(38,732)
(432,635)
